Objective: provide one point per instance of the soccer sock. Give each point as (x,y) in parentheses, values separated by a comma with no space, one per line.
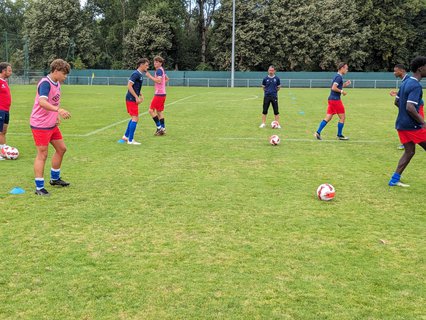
(132,130)
(162,123)
(55,174)
(340,128)
(157,121)
(128,129)
(322,125)
(39,182)
(395,177)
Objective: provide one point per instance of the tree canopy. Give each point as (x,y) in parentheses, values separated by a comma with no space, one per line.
(310,35)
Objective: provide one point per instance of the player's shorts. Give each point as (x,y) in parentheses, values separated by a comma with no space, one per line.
(132,108)
(157,103)
(267,101)
(42,137)
(4,119)
(415,136)
(335,107)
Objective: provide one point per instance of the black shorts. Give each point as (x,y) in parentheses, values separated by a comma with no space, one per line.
(4,119)
(267,100)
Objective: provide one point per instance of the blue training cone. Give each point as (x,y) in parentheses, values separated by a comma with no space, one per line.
(17,190)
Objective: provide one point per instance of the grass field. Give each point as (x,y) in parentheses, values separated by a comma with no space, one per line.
(210,221)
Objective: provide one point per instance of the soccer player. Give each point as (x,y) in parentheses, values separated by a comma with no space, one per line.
(5,102)
(271,85)
(335,105)
(156,109)
(400,71)
(134,97)
(410,124)
(44,121)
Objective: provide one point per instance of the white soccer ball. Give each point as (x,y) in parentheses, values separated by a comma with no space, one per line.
(274,140)
(275,124)
(10,153)
(326,192)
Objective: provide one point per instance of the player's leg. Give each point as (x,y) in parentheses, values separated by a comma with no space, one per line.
(266,103)
(276,111)
(133,110)
(162,122)
(409,151)
(340,125)
(55,172)
(41,141)
(3,130)
(322,124)
(154,114)
(160,111)
(39,163)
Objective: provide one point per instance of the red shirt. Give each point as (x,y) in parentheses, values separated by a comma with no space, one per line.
(5,97)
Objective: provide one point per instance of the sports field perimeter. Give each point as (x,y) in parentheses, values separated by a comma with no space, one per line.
(211,221)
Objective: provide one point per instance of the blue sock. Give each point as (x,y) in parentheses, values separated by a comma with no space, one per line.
(128,129)
(340,128)
(55,174)
(132,130)
(322,125)
(395,178)
(162,123)
(39,182)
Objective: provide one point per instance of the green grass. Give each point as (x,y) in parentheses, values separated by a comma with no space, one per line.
(210,221)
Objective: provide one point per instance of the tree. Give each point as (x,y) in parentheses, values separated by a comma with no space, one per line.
(151,36)
(62,34)
(205,12)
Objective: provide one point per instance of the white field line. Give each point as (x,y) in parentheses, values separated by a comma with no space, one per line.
(108,126)
(308,140)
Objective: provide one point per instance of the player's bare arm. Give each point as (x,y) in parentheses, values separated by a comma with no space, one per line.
(50,107)
(336,89)
(347,83)
(133,93)
(411,109)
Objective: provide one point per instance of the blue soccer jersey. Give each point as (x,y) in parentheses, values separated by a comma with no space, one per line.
(410,91)
(339,80)
(137,79)
(271,85)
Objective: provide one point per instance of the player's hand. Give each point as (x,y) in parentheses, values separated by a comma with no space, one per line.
(64,113)
(347,83)
(141,98)
(344,93)
(138,100)
(393,93)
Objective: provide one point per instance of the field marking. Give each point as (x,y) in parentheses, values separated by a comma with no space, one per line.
(91,133)
(308,140)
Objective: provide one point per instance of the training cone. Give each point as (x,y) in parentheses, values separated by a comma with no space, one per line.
(17,190)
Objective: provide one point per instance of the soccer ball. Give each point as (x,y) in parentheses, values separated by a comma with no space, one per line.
(10,153)
(326,192)
(274,124)
(274,140)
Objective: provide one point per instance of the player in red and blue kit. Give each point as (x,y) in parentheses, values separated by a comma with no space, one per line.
(410,124)
(5,102)
(134,97)
(271,85)
(335,105)
(156,109)
(44,121)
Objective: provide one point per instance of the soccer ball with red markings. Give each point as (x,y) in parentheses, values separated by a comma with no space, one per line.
(9,153)
(326,192)
(274,140)
(275,124)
